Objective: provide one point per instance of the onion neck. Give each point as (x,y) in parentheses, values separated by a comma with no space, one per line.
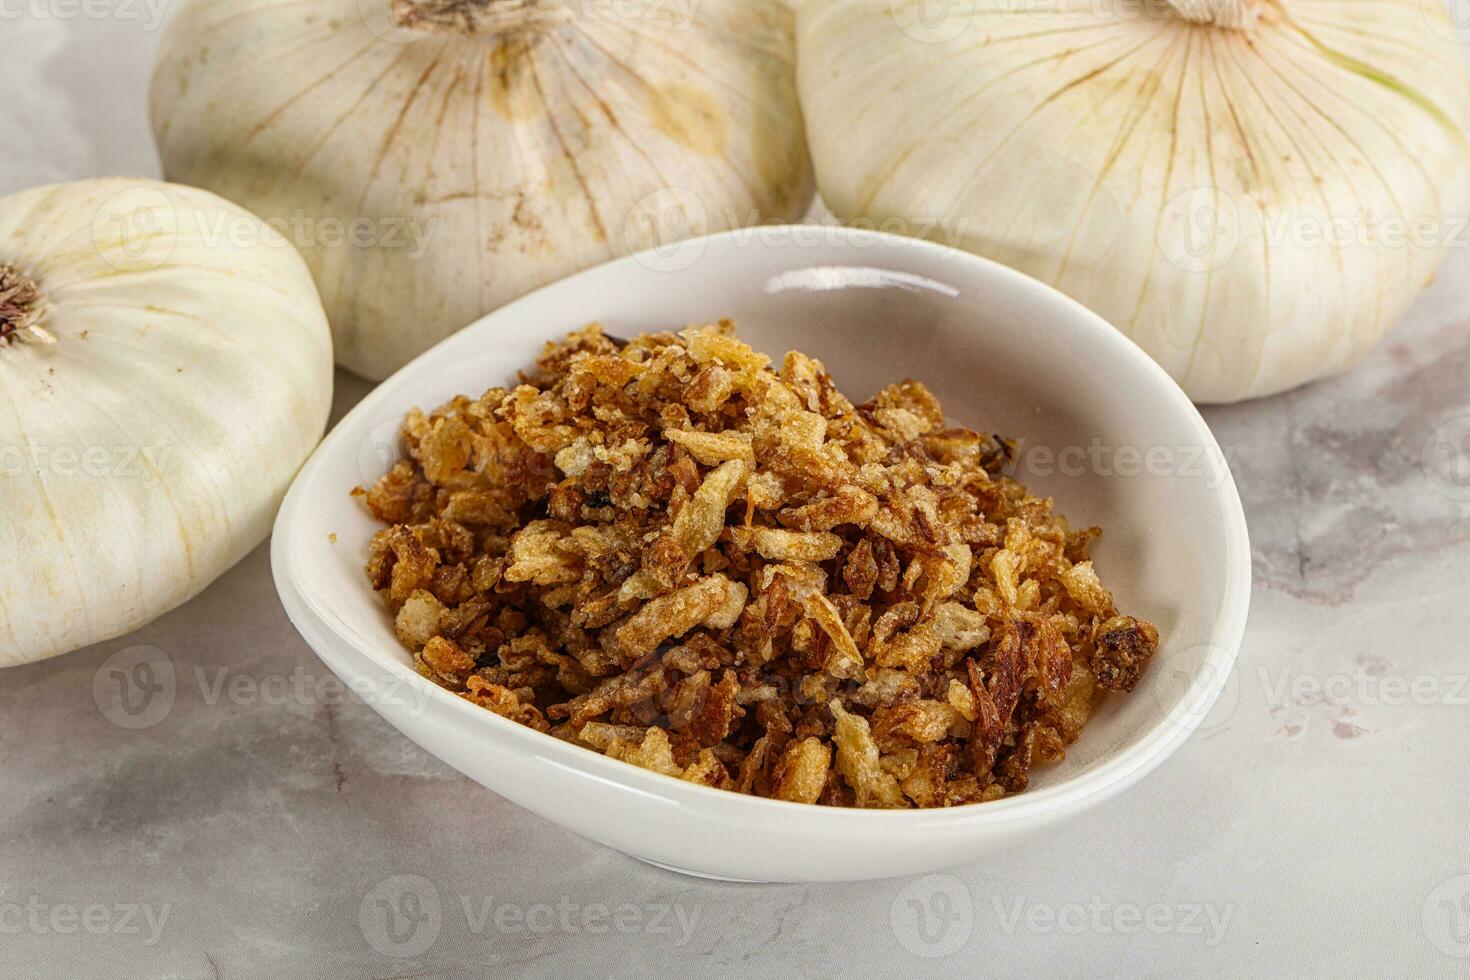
(22,308)
(480,17)
(1233,15)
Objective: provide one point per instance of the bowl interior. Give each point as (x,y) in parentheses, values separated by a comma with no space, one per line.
(1100,428)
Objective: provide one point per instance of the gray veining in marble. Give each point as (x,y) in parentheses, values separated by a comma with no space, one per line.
(265,826)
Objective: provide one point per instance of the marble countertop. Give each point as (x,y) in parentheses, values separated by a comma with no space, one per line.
(1318,825)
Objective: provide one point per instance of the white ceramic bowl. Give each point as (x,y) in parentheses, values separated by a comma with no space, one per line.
(1004,353)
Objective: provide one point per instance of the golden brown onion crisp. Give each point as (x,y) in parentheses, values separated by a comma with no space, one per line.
(670,552)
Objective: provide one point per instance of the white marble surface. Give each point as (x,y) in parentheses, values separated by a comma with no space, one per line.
(1318,826)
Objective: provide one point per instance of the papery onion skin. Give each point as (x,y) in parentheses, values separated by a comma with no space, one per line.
(1255,207)
(147,449)
(486,166)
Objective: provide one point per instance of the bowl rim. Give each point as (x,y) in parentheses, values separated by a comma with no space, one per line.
(1160,740)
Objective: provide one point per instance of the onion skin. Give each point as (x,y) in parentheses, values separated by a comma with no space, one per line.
(148,447)
(478,166)
(1255,206)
